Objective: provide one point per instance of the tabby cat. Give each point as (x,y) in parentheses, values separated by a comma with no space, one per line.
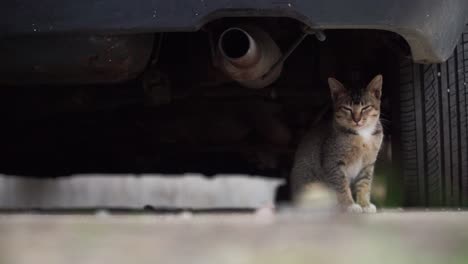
(341,152)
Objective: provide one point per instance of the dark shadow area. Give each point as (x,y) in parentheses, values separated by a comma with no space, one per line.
(208,124)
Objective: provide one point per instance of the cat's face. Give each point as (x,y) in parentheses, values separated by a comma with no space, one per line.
(356,109)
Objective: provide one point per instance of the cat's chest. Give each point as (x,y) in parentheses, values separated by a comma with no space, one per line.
(353,168)
(366,144)
(363,151)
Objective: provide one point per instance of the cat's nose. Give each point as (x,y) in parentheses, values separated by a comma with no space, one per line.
(356,118)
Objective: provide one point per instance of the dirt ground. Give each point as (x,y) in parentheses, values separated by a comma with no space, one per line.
(288,236)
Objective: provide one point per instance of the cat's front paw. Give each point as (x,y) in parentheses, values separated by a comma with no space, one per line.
(369,209)
(354,208)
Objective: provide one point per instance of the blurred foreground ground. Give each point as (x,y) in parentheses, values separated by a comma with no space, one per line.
(263,237)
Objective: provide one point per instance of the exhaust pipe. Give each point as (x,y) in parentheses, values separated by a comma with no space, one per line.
(247,54)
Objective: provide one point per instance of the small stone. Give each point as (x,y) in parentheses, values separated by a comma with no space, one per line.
(186,215)
(265,213)
(102,213)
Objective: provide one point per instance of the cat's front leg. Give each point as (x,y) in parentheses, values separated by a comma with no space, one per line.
(339,182)
(362,186)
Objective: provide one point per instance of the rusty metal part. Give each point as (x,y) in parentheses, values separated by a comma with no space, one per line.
(74,59)
(246,53)
(307,31)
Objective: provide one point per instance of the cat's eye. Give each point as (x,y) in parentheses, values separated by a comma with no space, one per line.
(346,109)
(366,108)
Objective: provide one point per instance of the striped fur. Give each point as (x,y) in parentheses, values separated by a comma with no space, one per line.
(341,152)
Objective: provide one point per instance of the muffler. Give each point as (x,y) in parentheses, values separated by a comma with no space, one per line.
(247,54)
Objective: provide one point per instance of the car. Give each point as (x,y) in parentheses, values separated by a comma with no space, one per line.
(229,85)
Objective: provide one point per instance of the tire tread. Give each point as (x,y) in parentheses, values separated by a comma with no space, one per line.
(434,127)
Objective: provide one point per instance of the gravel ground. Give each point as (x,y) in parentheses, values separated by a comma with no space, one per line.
(289,236)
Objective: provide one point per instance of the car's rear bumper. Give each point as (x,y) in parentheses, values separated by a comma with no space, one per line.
(431,27)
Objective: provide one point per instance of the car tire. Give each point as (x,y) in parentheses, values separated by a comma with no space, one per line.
(433,115)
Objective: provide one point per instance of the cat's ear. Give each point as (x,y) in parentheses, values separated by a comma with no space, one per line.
(336,88)
(375,86)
